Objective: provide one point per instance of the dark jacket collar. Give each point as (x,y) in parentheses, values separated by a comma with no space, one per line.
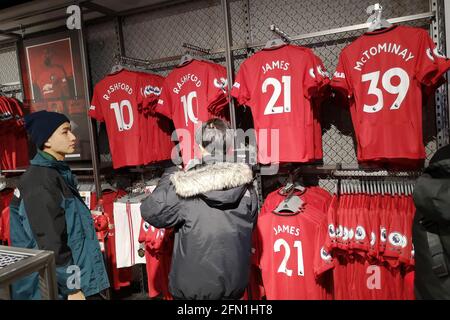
(43,159)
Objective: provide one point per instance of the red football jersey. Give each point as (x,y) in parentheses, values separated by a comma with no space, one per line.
(115,100)
(187,93)
(290,252)
(52,82)
(155,134)
(119,277)
(275,82)
(382,72)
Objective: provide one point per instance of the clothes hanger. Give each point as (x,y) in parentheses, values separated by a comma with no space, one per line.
(376,21)
(185,59)
(277,42)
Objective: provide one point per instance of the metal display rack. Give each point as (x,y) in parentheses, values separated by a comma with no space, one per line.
(16,263)
(232,30)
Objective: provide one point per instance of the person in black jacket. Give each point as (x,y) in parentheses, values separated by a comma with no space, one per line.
(213,208)
(48,213)
(431,229)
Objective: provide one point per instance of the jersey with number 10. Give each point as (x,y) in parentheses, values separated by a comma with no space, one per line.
(382,73)
(115,101)
(186,94)
(277,84)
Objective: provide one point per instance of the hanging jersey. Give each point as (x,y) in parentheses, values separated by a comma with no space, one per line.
(276,83)
(383,72)
(155,132)
(119,277)
(127,222)
(289,251)
(115,101)
(187,93)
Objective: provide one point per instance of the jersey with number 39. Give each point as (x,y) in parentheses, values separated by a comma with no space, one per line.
(274,83)
(115,101)
(382,73)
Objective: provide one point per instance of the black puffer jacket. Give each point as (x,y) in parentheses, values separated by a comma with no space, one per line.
(432,200)
(213,208)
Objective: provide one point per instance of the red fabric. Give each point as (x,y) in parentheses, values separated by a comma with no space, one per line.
(289,250)
(277,84)
(372,245)
(13,137)
(52,82)
(383,72)
(119,277)
(158,255)
(155,134)
(197,84)
(116,101)
(5,198)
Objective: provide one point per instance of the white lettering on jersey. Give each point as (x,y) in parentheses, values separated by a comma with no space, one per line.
(115,87)
(237,85)
(184,79)
(340,75)
(92,107)
(385,47)
(282,65)
(287,229)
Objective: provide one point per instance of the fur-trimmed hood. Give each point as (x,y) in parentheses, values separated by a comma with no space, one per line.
(222,182)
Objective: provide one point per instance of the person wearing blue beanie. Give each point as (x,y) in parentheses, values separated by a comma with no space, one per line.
(48,213)
(42,124)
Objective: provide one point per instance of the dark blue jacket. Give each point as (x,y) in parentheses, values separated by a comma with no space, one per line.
(47,213)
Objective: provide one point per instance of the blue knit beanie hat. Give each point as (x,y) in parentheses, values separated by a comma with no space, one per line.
(41,125)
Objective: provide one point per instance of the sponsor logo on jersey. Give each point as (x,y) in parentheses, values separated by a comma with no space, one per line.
(373,239)
(148,90)
(345,234)
(324,254)
(351,234)
(396,239)
(331,231)
(383,234)
(360,233)
(405,242)
(436,53)
(339,231)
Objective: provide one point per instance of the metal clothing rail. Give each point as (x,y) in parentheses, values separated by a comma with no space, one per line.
(196,48)
(361,26)
(280,32)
